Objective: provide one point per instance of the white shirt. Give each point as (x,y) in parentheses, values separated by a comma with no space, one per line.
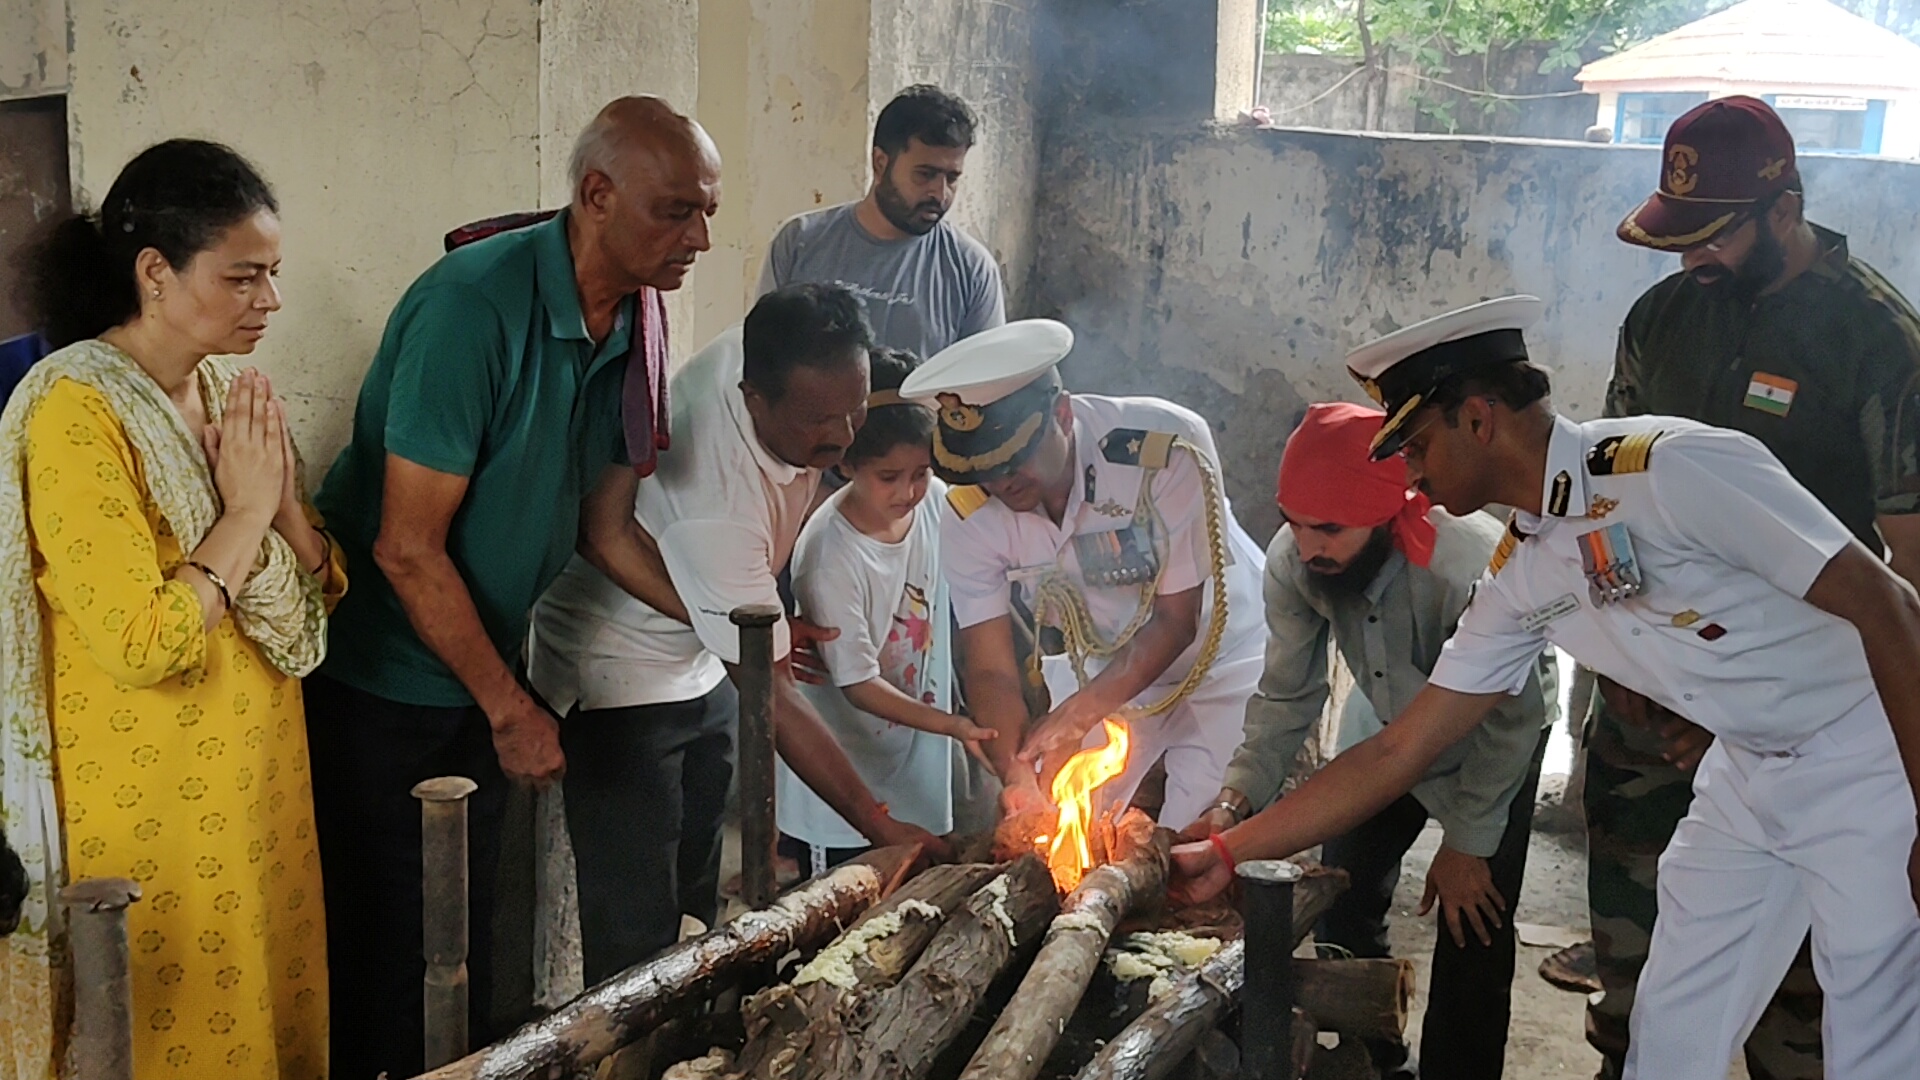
(994,546)
(1728,545)
(725,512)
(890,605)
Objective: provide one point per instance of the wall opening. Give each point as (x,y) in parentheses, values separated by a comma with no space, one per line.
(34,189)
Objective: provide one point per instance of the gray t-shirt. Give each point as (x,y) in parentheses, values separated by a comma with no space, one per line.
(922,294)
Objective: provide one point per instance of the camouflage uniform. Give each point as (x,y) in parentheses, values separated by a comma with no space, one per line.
(1848,346)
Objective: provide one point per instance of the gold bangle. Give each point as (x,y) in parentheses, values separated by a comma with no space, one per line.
(226,598)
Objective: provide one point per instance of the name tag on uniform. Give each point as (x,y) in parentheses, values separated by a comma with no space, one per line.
(1771,393)
(1539,617)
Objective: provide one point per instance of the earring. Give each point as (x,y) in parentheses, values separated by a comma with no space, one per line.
(156,294)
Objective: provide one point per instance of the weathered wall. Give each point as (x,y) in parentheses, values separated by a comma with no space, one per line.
(1231,270)
(33,48)
(381,124)
(790,89)
(783,91)
(983,51)
(592,51)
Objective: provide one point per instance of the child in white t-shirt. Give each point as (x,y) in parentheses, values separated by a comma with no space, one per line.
(868,565)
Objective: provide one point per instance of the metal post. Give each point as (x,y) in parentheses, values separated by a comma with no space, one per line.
(1266,1015)
(443,909)
(755,684)
(102,986)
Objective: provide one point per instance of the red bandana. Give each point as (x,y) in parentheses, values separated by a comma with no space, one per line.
(1325,474)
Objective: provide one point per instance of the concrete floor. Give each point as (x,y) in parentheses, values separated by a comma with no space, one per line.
(1547,1036)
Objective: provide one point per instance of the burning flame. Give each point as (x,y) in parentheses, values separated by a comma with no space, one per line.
(1069,856)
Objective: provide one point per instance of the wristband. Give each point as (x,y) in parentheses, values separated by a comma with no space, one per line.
(1226,856)
(226,598)
(1239,815)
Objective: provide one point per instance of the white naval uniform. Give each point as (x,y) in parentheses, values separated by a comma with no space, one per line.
(993,546)
(1802,815)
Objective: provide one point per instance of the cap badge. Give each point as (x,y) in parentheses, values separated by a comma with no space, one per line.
(1681,179)
(957,414)
(1772,169)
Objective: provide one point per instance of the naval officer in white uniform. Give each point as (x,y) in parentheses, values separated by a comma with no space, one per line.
(1683,562)
(1097,525)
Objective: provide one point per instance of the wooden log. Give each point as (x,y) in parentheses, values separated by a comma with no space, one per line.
(908,1025)
(577,1036)
(1214,1057)
(1363,999)
(801,1030)
(1024,1034)
(1162,1036)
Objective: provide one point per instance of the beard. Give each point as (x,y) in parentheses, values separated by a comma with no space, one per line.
(901,215)
(1761,268)
(1353,579)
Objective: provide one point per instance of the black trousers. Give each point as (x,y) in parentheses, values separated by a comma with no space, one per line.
(1469,999)
(367,754)
(646,791)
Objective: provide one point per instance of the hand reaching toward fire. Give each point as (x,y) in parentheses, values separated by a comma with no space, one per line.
(1022,795)
(1060,732)
(1199,874)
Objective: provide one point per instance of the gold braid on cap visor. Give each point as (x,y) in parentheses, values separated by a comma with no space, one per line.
(1387,429)
(994,458)
(1639,235)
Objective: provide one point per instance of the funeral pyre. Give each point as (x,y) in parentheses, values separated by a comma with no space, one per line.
(1050,952)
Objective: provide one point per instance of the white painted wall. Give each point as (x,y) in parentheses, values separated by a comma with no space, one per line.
(381,125)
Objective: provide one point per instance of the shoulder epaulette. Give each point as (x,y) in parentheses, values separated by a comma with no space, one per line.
(1617,455)
(1509,540)
(1137,446)
(966,499)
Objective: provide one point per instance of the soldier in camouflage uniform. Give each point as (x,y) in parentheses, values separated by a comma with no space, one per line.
(1774,330)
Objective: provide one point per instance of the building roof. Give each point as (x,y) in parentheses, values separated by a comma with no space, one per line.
(1785,42)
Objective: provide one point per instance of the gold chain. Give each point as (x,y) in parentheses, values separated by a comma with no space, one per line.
(1056,595)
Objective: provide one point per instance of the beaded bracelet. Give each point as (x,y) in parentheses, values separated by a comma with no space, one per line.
(226,598)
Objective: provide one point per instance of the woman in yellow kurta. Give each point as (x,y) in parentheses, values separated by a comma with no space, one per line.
(173,590)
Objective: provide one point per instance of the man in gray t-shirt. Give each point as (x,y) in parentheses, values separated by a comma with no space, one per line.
(925,283)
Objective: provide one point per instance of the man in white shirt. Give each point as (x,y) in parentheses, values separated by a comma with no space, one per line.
(1110,506)
(1684,563)
(644,692)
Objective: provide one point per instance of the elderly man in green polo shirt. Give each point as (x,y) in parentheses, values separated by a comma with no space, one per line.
(490,419)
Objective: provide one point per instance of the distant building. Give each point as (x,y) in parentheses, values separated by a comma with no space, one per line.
(1842,84)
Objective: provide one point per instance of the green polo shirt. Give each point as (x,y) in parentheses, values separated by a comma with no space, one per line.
(486,372)
(1825,372)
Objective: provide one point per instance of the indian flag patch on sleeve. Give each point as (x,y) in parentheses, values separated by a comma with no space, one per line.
(1771,393)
